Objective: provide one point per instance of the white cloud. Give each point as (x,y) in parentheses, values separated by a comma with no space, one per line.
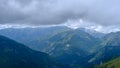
(80,23)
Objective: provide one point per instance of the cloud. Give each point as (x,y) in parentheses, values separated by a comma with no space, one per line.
(50,12)
(80,23)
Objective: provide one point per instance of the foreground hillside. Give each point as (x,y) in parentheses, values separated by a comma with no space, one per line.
(16,55)
(115,63)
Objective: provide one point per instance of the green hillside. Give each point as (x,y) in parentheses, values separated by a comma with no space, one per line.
(115,63)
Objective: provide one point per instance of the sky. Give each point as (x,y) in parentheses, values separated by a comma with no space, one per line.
(100,15)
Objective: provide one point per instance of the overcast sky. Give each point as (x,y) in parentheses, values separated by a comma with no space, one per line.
(94,14)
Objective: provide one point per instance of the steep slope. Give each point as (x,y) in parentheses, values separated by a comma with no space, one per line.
(16,55)
(74,38)
(72,47)
(114,63)
(112,39)
(110,49)
(105,54)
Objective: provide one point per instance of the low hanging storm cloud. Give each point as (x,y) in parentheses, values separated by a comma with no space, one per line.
(49,12)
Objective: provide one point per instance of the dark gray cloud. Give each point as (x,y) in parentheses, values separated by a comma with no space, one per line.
(47,12)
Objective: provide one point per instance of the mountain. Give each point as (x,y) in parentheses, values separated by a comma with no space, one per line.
(16,55)
(114,63)
(74,39)
(75,48)
(95,33)
(112,39)
(110,48)
(72,47)
(32,37)
(35,37)
(105,54)
(66,46)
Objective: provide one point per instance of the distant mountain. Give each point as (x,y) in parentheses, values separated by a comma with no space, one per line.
(16,55)
(32,37)
(95,33)
(112,39)
(114,63)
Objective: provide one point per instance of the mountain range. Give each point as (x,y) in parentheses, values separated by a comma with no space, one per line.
(66,47)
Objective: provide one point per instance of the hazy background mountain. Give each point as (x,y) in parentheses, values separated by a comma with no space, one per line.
(35,37)
(32,37)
